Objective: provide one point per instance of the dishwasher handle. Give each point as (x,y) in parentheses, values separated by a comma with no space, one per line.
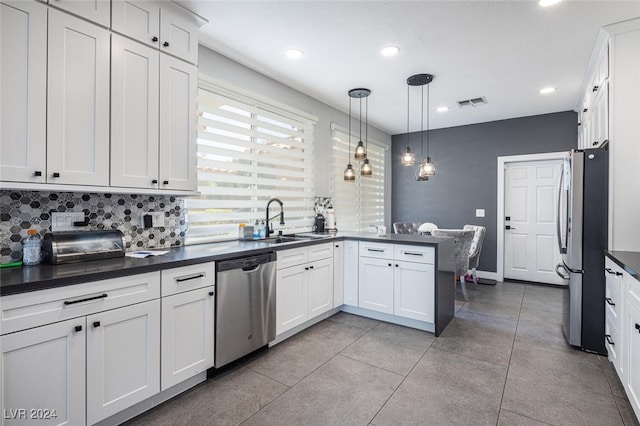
(247,264)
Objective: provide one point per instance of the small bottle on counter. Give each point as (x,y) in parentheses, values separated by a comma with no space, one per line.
(256,230)
(32,248)
(263,230)
(241,231)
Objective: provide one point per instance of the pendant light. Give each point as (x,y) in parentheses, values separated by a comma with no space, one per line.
(408,157)
(426,168)
(349,173)
(366,169)
(360,152)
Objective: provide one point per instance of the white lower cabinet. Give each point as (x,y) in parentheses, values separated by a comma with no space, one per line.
(44,368)
(338,274)
(304,289)
(123,358)
(633,356)
(350,274)
(375,284)
(413,295)
(187,335)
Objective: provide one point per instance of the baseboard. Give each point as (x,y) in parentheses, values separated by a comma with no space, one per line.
(488,275)
(284,336)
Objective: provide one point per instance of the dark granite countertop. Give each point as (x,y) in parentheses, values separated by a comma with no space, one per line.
(628,260)
(31,278)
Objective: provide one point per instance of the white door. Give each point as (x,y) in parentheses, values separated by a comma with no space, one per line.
(414,294)
(44,367)
(320,287)
(292,297)
(78,101)
(375,284)
(137,19)
(338,274)
(178,33)
(123,358)
(23,55)
(530,198)
(187,335)
(134,114)
(350,277)
(177,124)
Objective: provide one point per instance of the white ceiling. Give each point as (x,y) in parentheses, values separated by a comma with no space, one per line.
(503,50)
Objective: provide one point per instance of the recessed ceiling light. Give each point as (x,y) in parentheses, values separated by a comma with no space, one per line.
(547,3)
(443,109)
(389,50)
(547,90)
(295,53)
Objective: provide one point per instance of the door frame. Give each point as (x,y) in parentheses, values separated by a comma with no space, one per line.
(502,164)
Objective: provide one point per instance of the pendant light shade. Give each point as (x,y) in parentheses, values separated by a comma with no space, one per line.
(360,152)
(349,173)
(426,168)
(366,169)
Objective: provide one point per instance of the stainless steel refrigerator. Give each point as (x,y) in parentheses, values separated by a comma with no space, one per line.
(582,225)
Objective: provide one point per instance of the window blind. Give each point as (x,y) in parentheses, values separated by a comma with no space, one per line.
(361,203)
(247,154)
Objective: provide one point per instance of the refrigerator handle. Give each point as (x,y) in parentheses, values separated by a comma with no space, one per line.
(562,249)
(560,274)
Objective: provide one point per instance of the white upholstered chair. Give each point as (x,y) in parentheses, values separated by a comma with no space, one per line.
(426,228)
(476,247)
(406,228)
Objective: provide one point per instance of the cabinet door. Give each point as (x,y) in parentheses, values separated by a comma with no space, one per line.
(123,358)
(601,115)
(632,384)
(177,124)
(320,251)
(375,285)
(292,298)
(350,279)
(187,335)
(23,54)
(44,367)
(338,274)
(414,295)
(178,33)
(139,20)
(98,11)
(320,287)
(134,114)
(78,101)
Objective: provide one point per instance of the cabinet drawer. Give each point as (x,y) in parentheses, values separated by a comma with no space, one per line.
(381,251)
(292,257)
(27,310)
(320,251)
(418,254)
(187,278)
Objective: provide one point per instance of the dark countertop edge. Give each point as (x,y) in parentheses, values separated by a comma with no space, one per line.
(42,277)
(627,260)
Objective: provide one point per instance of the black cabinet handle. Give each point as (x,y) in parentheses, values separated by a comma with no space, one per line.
(310,267)
(102,296)
(195,277)
(585,110)
(55,174)
(376,250)
(37,173)
(96,324)
(397,266)
(337,246)
(595,143)
(165,182)
(595,88)
(154,39)
(78,328)
(609,340)
(211,293)
(389,264)
(638,327)
(306,269)
(616,273)
(609,301)
(165,44)
(154,181)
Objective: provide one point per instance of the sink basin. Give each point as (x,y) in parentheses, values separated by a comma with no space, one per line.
(282,239)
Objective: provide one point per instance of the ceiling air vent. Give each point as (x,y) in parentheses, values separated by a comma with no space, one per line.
(472,102)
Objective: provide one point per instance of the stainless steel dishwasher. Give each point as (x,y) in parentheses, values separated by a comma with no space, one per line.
(245,306)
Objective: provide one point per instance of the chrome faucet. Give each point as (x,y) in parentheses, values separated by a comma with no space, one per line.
(281,214)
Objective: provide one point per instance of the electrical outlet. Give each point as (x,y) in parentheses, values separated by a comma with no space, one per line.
(479,212)
(64,221)
(153,220)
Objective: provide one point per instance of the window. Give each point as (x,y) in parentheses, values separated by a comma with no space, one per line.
(361,203)
(248,152)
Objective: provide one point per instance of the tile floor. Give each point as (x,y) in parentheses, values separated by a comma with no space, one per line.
(501,361)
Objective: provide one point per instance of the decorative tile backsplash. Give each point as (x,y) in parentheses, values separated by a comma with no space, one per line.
(321,204)
(24,210)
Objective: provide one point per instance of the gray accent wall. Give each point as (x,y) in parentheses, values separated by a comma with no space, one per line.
(466,159)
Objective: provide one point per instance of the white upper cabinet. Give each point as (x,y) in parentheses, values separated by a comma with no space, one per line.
(135,75)
(139,20)
(177,124)
(23,54)
(98,11)
(160,24)
(78,102)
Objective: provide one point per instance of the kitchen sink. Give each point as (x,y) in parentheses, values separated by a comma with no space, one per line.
(282,239)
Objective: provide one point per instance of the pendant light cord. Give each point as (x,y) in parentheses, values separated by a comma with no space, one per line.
(349,158)
(422,122)
(366,125)
(360,120)
(408,116)
(428,97)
